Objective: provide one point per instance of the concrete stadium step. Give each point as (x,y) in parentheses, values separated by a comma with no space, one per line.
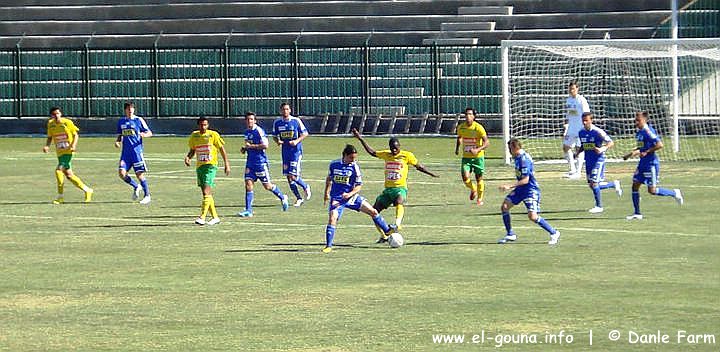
(467,26)
(485,10)
(379,110)
(397,92)
(451,41)
(442,58)
(424,72)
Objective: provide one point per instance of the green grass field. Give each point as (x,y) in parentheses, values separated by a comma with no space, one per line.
(114,275)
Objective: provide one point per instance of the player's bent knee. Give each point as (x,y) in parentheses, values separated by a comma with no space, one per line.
(532,216)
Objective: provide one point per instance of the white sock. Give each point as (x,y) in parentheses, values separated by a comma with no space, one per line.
(571,161)
(580,159)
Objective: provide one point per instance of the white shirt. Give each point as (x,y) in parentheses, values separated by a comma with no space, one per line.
(575,107)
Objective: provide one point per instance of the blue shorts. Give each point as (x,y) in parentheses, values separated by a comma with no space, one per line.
(647,174)
(339,204)
(531,198)
(291,164)
(134,161)
(595,172)
(257,172)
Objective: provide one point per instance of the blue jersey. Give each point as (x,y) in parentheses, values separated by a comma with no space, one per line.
(524,168)
(256,135)
(589,139)
(647,138)
(129,129)
(287,131)
(344,177)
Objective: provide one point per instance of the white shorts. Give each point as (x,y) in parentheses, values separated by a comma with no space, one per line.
(571,138)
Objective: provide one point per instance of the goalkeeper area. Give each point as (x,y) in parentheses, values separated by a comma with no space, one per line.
(676,81)
(116,275)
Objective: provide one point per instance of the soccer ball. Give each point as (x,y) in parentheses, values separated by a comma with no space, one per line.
(396,240)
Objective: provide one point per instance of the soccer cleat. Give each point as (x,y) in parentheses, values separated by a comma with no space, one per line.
(634,217)
(382,239)
(136,193)
(298,202)
(392,229)
(214,221)
(308,193)
(58,200)
(508,238)
(200,221)
(88,195)
(473,194)
(327,249)
(284,203)
(245,214)
(618,189)
(554,238)
(480,202)
(595,210)
(678,196)
(146,200)
(574,176)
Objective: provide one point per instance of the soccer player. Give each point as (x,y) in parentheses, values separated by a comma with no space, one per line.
(648,169)
(396,174)
(206,143)
(525,190)
(131,130)
(594,141)
(342,190)
(575,105)
(289,132)
(64,134)
(256,166)
(469,135)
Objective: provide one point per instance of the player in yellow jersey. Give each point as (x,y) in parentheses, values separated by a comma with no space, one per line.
(205,144)
(471,135)
(396,174)
(64,134)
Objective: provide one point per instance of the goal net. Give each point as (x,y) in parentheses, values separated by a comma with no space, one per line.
(676,81)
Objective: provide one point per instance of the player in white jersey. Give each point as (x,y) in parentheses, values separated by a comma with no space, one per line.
(575,106)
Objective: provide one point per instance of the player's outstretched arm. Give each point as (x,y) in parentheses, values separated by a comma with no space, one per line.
(420,167)
(368,149)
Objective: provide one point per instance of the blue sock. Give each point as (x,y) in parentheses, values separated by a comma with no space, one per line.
(636,201)
(301,183)
(145,188)
(598,199)
(294,189)
(276,191)
(606,185)
(665,192)
(544,224)
(130,181)
(329,235)
(249,196)
(380,222)
(506,221)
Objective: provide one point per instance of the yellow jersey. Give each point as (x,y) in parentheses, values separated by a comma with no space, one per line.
(471,137)
(63,134)
(396,167)
(206,146)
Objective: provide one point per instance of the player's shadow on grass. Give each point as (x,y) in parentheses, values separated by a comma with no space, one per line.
(316,247)
(494,243)
(130,225)
(65,203)
(224,206)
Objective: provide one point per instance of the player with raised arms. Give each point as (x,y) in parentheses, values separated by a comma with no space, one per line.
(342,190)
(474,140)
(648,169)
(256,166)
(289,132)
(575,106)
(396,175)
(205,143)
(131,130)
(525,190)
(595,142)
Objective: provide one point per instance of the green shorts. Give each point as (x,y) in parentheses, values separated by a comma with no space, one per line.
(206,175)
(476,165)
(65,161)
(387,198)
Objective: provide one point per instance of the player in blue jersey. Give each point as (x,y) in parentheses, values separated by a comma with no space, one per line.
(289,132)
(131,130)
(595,142)
(342,190)
(525,190)
(256,167)
(648,169)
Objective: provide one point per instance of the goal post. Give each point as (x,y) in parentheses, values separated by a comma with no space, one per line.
(677,81)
